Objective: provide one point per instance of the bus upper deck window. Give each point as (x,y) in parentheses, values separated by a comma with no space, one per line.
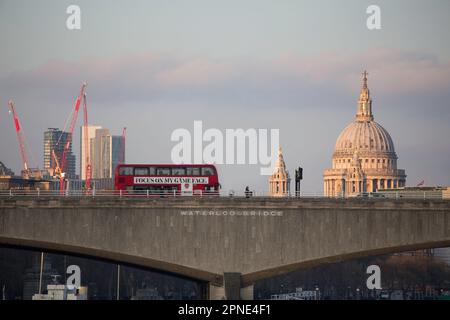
(192,171)
(126,171)
(163,171)
(178,171)
(207,171)
(140,171)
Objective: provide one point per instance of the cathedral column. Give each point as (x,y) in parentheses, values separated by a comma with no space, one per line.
(328,188)
(331,187)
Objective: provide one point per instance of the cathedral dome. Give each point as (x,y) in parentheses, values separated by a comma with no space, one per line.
(364,135)
(364,158)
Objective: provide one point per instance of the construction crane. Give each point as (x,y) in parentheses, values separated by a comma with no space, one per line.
(57,169)
(87,162)
(26,173)
(122,147)
(69,137)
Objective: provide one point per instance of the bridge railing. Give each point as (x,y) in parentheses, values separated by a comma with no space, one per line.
(199,193)
(103,193)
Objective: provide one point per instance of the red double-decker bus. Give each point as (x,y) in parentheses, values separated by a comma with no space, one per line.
(167,179)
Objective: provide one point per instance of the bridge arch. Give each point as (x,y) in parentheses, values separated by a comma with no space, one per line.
(114,257)
(251,278)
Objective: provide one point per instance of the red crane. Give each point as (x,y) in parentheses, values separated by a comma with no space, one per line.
(69,136)
(21,140)
(87,162)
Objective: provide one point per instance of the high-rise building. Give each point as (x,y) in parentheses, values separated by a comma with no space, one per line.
(279,181)
(55,139)
(91,134)
(106,152)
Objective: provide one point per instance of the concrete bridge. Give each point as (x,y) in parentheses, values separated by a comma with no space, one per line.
(228,243)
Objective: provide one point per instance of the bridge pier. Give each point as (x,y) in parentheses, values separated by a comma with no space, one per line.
(231,289)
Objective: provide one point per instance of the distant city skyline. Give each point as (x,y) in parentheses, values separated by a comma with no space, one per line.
(155,67)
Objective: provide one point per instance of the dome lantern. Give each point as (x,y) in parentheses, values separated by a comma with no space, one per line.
(364,112)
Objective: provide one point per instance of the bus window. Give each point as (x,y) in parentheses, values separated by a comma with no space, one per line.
(126,171)
(192,171)
(163,171)
(140,171)
(152,171)
(207,171)
(178,171)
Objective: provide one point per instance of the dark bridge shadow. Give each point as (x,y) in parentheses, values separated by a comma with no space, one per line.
(251,278)
(200,276)
(103,256)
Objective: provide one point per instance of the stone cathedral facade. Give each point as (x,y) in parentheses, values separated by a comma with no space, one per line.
(364,158)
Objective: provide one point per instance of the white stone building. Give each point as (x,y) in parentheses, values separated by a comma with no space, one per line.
(279,181)
(364,158)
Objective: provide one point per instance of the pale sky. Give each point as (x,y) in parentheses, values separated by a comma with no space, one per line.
(155,66)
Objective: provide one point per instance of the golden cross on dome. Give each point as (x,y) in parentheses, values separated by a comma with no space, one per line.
(365,74)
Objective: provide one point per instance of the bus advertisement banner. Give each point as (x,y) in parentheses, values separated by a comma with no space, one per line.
(171,180)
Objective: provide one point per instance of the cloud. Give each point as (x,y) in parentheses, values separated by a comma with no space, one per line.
(152,76)
(390,70)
